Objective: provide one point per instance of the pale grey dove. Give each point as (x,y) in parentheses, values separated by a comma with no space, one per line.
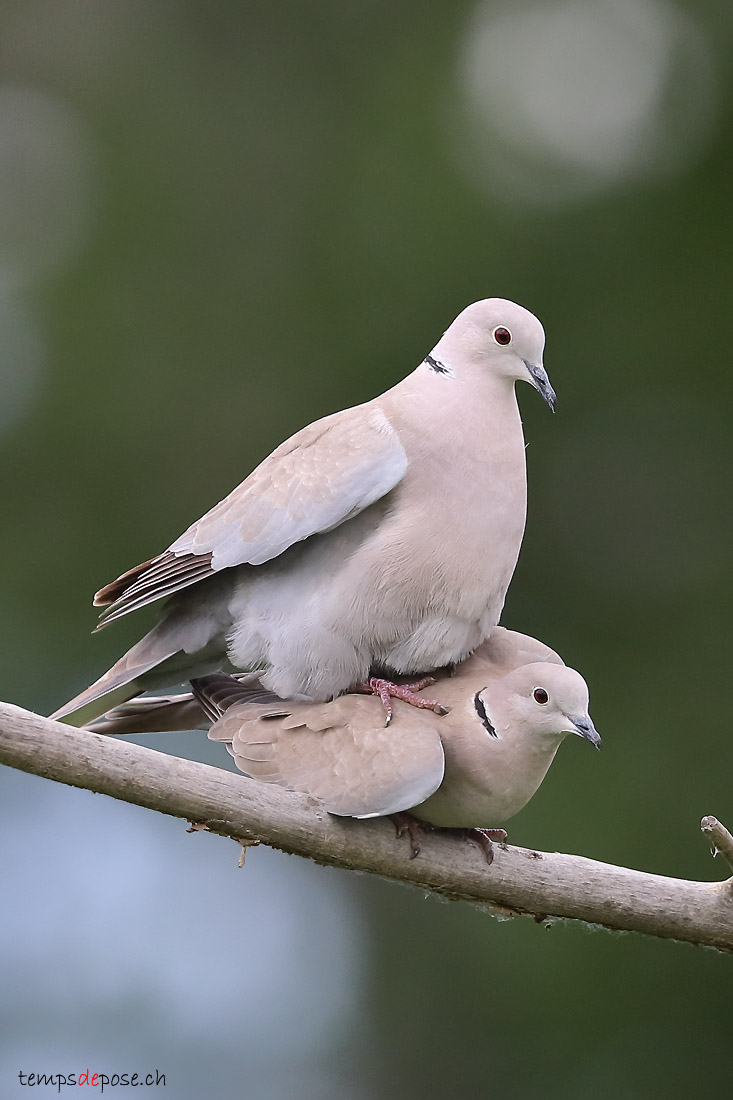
(511,704)
(381,538)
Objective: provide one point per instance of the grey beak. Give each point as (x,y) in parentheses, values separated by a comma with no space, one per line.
(541,383)
(584,727)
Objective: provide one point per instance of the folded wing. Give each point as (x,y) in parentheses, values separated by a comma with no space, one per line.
(338,752)
(324,475)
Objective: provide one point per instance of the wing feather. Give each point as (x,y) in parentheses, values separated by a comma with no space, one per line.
(324,475)
(339,752)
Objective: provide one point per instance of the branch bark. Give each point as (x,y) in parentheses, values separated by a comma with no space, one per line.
(720,839)
(520,881)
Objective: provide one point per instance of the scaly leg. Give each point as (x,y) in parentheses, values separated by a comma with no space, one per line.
(387,691)
(484,838)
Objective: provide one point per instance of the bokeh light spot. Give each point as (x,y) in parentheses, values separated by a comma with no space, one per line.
(567,99)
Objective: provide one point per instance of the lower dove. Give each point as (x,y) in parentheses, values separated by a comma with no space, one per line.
(510,706)
(377,542)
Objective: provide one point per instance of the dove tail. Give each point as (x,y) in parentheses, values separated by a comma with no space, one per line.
(153,714)
(190,641)
(212,695)
(123,681)
(218,692)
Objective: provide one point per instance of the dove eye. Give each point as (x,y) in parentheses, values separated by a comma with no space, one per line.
(540,696)
(502,336)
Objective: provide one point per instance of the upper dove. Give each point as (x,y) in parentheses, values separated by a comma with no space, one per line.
(380,539)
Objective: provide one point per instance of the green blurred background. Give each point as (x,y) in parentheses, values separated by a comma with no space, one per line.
(219,221)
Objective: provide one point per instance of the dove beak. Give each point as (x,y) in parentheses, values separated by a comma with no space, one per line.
(583,726)
(540,381)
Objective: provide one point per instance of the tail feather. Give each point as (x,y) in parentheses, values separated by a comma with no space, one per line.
(153,714)
(198,709)
(157,661)
(189,641)
(120,683)
(218,692)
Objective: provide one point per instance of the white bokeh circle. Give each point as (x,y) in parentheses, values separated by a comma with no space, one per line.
(561,100)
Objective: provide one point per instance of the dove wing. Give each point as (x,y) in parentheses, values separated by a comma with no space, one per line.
(338,752)
(324,475)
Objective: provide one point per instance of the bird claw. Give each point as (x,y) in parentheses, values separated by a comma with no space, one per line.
(387,690)
(406,823)
(485,838)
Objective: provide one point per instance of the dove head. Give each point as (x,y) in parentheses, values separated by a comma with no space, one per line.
(498,336)
(540,701)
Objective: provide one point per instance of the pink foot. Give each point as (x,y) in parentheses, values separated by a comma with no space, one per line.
(387,691)
(484,838)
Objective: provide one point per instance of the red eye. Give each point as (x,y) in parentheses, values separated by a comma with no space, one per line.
(502,336)
(540,696)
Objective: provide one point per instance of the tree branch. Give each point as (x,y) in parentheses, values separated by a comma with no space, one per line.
(720,839)
(519,881)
